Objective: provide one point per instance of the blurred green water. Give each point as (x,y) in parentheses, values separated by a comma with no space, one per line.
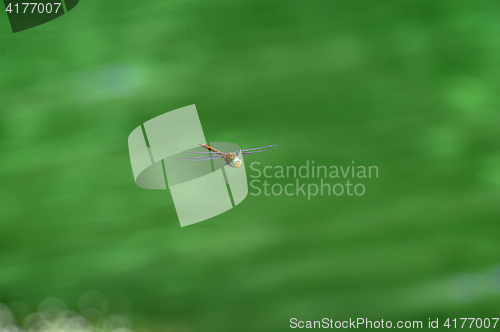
(411,87)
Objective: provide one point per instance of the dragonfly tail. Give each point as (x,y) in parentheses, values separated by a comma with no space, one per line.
(209,148)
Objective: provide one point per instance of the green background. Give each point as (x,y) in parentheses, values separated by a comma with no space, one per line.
(409,86)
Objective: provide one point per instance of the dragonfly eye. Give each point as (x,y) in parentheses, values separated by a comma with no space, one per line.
(236,162)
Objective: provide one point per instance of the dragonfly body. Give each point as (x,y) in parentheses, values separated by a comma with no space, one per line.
(230,158)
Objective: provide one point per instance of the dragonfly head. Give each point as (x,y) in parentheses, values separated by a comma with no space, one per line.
(236,162)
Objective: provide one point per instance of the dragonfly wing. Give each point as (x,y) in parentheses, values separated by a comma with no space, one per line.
(247,153)
(202,152)
(268,146)
(195,159)
(201,158)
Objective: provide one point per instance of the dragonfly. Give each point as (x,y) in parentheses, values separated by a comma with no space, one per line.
(230,158)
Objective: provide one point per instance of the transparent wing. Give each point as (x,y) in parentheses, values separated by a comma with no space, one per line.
(201,158)
(202,152)
(247,153)
(268,146)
